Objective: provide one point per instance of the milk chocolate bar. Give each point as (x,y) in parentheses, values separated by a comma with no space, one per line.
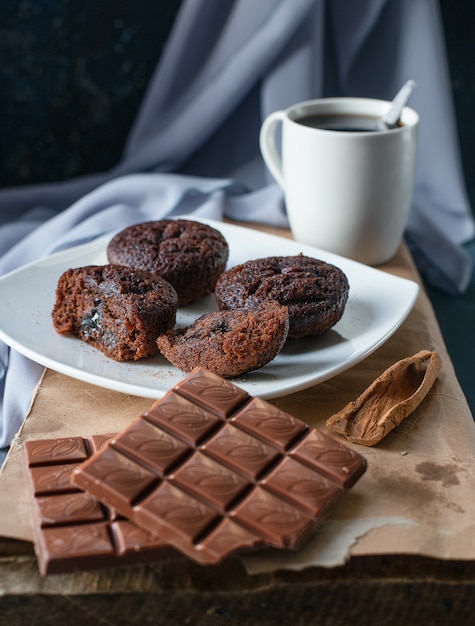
(73,531)
(211,471)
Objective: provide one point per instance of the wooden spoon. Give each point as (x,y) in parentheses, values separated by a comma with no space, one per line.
(388,400)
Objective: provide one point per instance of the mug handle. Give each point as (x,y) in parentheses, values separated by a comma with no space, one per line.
(268,145)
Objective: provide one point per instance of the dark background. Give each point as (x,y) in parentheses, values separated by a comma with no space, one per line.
(459,25)
(72,76)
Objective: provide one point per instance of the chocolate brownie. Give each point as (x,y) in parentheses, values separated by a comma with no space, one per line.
(189,255)
(228,343)
(314,291)
(119,310)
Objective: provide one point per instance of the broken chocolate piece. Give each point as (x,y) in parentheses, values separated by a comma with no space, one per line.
(73,531)
(212,471)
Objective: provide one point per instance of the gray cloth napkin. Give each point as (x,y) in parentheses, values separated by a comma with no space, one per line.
(193,148)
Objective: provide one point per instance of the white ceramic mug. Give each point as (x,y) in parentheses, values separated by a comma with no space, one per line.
(346,192)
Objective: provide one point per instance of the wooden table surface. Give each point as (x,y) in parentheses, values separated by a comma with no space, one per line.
(369,589)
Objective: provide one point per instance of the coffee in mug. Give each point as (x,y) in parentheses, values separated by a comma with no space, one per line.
(343,123)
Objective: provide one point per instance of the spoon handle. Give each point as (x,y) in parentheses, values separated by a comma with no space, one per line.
(391,119)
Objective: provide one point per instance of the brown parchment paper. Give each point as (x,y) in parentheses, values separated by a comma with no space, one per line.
(417,496)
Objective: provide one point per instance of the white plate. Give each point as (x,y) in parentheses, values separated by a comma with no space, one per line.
(377,306)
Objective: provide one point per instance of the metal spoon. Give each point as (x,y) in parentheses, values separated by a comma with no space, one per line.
(391,118)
